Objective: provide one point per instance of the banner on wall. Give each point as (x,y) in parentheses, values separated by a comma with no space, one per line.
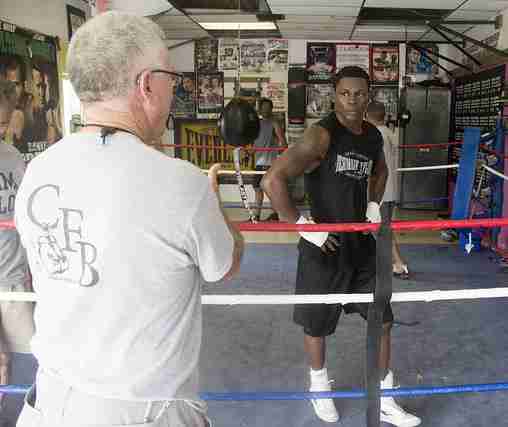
(210,94)
(189,133)
(228,54)
(320,100)
(278,54)
(385,63)
(184,96)
(321,62)
(353,55)
(418,66)
(29,60)
(253,56)
(277,93)
(206,55)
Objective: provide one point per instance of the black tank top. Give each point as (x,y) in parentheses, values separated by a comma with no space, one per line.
(338,186)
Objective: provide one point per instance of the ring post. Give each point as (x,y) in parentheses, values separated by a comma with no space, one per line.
(382,297)
(497,210)
(465,180)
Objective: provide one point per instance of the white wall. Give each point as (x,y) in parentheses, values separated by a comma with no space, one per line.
(44,16)
(182,58)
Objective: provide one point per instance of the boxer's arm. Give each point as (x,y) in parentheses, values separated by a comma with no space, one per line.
(296,160)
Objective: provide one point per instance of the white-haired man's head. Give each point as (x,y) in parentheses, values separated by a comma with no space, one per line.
(111,60)
(108,51)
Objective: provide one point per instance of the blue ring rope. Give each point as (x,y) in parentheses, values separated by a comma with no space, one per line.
(347,394)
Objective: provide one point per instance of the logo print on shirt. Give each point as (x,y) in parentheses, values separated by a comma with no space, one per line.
(353,165)
(71,259)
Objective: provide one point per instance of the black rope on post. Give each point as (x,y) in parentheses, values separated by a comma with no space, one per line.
(382,297)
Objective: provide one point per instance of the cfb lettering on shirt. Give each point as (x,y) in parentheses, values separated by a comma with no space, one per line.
(69,258)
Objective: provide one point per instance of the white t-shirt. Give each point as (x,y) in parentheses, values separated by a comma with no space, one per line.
(118,237)
(390,148)
(13,265)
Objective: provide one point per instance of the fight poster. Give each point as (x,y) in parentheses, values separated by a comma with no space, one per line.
(278,54)
(184,96)
(229,54)
(210,94)
(29,60)
(418,66)
(321,62)
(206,55)
(353,55)
(320,100)
(253,56)
(385,63)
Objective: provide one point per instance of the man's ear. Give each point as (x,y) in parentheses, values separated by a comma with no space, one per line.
(144,83)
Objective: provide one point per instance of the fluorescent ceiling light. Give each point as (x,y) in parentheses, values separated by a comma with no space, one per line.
(238,25)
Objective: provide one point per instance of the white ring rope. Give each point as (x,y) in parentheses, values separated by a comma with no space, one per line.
(428,168)
(232,172)
(421,168)
(426,296)
(495,172)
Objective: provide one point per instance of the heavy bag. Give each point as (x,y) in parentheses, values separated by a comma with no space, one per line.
(239,123)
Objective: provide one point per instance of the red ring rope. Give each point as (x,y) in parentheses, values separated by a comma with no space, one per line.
(362,226)
(359,226)
(280,149)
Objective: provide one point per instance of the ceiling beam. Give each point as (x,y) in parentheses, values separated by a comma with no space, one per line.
(356,20)
(485,46)
(456,45)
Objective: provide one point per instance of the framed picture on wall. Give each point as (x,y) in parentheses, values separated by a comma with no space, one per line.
(385,63)
(75,19)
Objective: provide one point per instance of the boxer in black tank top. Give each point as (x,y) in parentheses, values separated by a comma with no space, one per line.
(345,177)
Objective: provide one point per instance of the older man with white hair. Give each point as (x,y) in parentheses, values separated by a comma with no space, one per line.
(118,237)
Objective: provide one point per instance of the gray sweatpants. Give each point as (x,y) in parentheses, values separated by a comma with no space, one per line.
(50,403)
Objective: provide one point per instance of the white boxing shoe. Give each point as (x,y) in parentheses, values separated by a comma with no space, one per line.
(391,412)
(324,408)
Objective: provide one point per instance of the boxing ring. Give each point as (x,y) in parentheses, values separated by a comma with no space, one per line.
(382,296)
(378,300)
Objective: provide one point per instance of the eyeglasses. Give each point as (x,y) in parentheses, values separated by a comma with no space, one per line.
(174,76)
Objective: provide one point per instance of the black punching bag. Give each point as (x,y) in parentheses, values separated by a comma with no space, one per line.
(239,123)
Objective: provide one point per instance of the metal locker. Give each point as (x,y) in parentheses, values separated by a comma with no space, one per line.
(430,124)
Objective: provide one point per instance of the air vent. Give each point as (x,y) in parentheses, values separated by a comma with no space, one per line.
(246,34)
(246,5)
(372,15)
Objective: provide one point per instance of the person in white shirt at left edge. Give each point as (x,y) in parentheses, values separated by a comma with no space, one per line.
(16,318)
(119,237)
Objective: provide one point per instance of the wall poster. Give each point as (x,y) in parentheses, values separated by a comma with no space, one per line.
(321,62)
(210,94)
(29,60)
(349,54)
(228,54)
(253,56)
(385,63)
(184,96)
(205,55)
